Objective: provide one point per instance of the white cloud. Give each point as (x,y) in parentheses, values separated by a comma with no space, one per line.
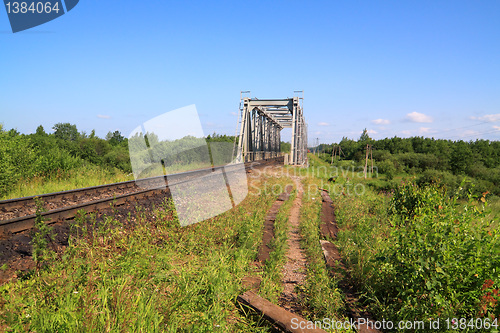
(417,132)
(417,117)
(103,116)
(489,118)
(406,132)
(468,133)
(323,124)
(497,128)
(371,131)
(381,121)
(234,113)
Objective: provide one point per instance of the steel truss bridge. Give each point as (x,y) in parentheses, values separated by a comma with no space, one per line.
(261,123)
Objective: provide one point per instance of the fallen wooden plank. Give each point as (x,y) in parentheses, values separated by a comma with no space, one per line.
(278,316)
(328,226)
(331,254)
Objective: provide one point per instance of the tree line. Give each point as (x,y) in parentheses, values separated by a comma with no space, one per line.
(43,155)
(25,156)
(428,159)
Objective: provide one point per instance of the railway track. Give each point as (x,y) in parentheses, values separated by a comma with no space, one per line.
(97,197)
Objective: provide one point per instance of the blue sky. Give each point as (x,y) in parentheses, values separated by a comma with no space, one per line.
(404,68)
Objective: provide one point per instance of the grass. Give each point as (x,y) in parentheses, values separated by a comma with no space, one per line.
(424,268)
(155,277)
(62,181)
(364,229)
(159,277)
(271,284)
(321,295)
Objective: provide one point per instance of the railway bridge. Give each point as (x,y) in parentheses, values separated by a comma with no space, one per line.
(261,122)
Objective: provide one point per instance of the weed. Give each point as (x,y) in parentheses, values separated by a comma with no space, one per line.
(271,286)
(41,237)
(429,258)
(152,276)
(320,292)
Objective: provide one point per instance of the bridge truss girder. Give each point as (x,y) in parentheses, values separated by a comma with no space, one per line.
(261,125)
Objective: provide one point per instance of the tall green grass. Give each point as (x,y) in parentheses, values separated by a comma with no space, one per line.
(322,297)
(89,175)
(271,286)
(155,277)
(430,258)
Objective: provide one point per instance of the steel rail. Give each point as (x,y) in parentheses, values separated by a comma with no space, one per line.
(26,222)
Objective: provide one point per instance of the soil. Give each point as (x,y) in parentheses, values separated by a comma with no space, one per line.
(268,232)
(294,271)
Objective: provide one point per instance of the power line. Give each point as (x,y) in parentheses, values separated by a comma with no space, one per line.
(455,129)
(476,134)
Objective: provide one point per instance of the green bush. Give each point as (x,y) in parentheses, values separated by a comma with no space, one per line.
(55,156)
(438,257)
(387,167)
(18,160)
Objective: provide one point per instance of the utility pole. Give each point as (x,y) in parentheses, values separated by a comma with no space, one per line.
(366,160)
(369,151)
(371,157)
(337,150)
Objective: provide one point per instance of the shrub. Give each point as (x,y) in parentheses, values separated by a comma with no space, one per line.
(17,160)
(387,167)
(438,256)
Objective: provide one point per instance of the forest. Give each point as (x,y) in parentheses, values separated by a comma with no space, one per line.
(69,158)
(68,153)
(41,156)
(428,160)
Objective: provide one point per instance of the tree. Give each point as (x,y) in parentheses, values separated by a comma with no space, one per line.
(285,147)
(364,136)
(13,132)
(65,131)
(115,137)
(40,131)
(461,158)
(349,147)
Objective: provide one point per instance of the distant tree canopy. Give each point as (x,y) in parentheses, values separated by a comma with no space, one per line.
(23,157)
(114,138)
(40,131)
(286,147)
(364,138)
(220,138)
(430,159)
(65,131)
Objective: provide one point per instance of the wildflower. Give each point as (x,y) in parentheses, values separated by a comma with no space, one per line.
(487,284)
